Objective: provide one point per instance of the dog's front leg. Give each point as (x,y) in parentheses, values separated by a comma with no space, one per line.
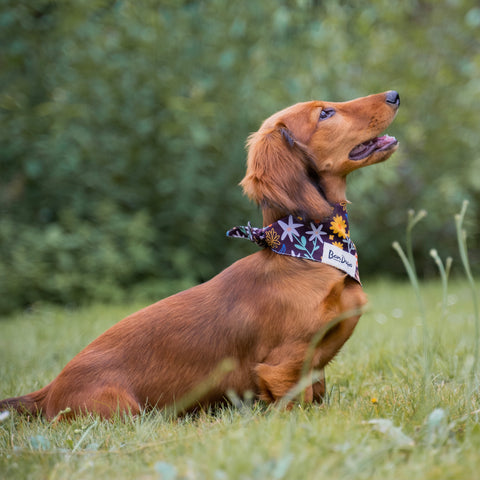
(278,374)
(319,388)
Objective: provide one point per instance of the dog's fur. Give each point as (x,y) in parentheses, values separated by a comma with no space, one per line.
(261,312)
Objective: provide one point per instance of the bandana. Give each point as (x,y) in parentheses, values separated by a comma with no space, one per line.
(326,242)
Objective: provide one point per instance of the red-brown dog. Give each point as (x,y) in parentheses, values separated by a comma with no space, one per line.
(262,312)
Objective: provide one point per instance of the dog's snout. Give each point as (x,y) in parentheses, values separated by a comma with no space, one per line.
(393,98)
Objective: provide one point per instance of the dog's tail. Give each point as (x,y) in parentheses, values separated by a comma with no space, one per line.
(33,403)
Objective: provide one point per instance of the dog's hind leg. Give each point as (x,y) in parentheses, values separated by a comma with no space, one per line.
(106,401)
(112,400)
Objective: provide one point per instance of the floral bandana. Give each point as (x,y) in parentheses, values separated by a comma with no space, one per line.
(326,242)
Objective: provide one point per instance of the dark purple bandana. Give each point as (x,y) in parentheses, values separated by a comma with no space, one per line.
(326,242)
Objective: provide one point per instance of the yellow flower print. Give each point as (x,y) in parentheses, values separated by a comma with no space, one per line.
(338,244)
(338,226)
(272,238)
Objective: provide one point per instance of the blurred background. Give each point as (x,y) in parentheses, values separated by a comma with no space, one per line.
(123,125)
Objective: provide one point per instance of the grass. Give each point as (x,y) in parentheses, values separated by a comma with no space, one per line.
(380,420)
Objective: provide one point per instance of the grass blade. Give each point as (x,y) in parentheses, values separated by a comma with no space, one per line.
(444,273)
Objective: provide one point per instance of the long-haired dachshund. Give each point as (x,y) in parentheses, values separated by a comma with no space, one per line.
(264,312)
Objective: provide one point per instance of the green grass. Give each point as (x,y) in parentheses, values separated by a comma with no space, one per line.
(378,375)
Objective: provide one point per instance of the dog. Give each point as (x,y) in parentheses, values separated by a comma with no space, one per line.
(255,326)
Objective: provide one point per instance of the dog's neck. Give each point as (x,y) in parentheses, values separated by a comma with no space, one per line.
(334,188)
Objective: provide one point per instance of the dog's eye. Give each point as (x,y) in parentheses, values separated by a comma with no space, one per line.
(326,113)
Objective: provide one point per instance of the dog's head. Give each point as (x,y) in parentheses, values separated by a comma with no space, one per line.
(300,156)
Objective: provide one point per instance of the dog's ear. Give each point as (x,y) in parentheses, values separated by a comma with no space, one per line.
(281,176)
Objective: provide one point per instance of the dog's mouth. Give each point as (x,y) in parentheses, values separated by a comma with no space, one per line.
(378,144)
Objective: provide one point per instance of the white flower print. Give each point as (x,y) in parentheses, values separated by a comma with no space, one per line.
(316,233)
(289,229)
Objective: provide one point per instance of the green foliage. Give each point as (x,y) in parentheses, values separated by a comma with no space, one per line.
(123,125)
(69,259)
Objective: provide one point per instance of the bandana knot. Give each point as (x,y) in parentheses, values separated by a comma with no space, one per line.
(327,242)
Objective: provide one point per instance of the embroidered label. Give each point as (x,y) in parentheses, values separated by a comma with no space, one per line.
(338,258)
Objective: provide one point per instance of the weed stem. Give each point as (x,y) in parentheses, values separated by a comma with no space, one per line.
(462,246)
(409,264)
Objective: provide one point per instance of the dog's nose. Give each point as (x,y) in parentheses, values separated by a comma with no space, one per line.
(393,98)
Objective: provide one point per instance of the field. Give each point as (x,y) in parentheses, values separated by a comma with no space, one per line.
(402,403)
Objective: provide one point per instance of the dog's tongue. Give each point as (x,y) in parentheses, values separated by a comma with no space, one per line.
(385,141)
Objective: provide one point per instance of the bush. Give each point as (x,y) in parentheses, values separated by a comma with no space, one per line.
(124,124)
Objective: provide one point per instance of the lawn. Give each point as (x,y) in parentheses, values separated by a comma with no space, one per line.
(402,403)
